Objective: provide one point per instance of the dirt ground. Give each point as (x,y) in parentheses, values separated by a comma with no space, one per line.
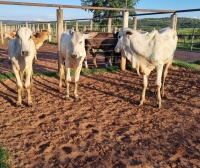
(105,128)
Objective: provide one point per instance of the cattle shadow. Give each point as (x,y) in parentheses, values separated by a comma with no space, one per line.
(8,96)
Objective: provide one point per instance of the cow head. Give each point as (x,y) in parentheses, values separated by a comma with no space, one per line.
(78,43)
(24,35)
(44,34)
(123,40)
(10,35)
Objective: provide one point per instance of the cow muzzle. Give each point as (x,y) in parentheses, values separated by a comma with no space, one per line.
(117,50)
(74,55)
(24,53)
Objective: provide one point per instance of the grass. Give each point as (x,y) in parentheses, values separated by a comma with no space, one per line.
(5,158)
(6,76)
(193,65)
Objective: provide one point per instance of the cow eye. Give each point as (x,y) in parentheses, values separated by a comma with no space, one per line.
(80,42)
(17,36)
(30,37)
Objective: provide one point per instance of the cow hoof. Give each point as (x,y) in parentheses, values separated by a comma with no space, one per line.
(30,104)
(59,89)
(66,97)
(18,104)
(141,103)
(158,105)
(77,98)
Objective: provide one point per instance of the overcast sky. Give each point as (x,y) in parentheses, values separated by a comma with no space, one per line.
(28,13)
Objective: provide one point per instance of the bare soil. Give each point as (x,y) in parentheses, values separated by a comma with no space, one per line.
(105,128)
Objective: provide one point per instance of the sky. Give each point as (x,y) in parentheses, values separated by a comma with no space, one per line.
(29,13)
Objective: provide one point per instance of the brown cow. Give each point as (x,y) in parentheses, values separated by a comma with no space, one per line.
(39,38)
(104,41)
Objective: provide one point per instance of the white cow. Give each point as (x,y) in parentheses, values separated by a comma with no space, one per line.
(72,54)
(22,51)
(147,52)
(38,38)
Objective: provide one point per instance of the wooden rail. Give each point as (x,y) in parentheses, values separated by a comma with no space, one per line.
(82,7)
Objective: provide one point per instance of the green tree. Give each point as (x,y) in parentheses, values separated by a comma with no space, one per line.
(108,13)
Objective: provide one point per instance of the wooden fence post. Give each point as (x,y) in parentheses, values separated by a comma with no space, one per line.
(91,24)
(59,32)
(173,21)
(49,30)
(192,39)
(65,26)
(33,27)
(38,27)
(76,25)
(125,25)
(5,28)
(2,36)
(109,25)
(134,23)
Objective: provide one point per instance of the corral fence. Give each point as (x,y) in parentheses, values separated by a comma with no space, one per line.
(57,27)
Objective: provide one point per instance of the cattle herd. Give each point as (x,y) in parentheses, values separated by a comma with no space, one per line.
(145,51)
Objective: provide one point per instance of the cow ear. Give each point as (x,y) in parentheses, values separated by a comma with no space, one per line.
(129,33)
(36,34)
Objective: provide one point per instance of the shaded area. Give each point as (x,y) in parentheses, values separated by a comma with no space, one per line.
(106,127)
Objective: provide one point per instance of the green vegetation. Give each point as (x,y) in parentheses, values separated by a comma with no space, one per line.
(6,76)
(193,65)
(158,23)
(108,13)
(5,158)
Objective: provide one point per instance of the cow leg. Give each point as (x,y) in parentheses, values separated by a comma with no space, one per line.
(94,55)
(164,77)
(31,79)
(158,84)
(110,61)
(61,73)
(28,86)
(110,56)
(85,62)
(35,56)
(67,81)
(145,83)
(77,76)
(21,74)
(19,86)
